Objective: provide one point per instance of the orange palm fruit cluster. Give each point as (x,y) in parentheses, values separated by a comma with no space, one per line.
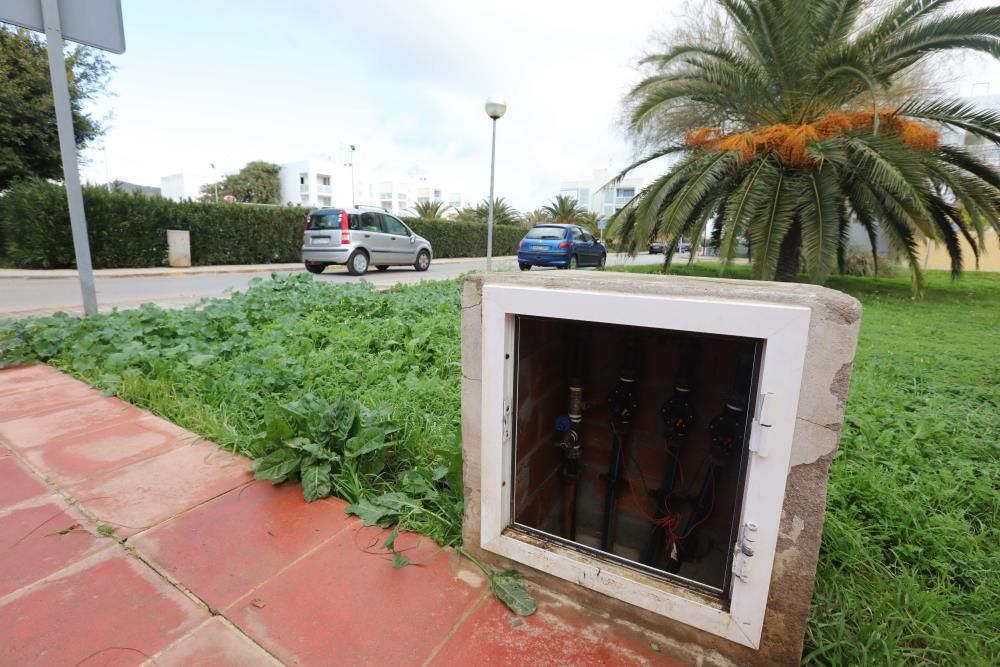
(789,142)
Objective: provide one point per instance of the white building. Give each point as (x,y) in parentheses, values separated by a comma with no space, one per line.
(184,186)
(316,183)
(400,195)
(594,197)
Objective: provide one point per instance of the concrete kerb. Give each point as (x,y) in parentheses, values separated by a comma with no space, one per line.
(56,274)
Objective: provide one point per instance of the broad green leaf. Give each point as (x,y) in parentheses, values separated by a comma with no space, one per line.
(370,439)
(316,482)
(371,514)
(199,360)
(399,560)
(277,465)
(319,451)
(277,428)
(509,587)
(391,541)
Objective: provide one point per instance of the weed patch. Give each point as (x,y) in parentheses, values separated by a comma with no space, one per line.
(358,391)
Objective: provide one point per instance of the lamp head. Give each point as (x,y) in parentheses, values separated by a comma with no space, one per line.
(495,107)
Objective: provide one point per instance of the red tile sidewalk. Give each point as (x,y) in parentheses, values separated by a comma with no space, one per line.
(207,567)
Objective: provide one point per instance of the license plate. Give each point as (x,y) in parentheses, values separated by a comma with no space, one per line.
(539,247)
(320,240)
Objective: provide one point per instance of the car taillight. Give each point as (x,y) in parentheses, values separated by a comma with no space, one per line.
(345,232)
(308,218)
(565,244)
(521,244)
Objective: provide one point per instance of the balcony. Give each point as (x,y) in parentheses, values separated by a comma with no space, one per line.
(325,189)
(303,187)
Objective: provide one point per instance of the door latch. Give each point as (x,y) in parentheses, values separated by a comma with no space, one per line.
(765,418)
(743,556)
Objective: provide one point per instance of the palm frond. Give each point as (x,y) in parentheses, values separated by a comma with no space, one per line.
(819,206)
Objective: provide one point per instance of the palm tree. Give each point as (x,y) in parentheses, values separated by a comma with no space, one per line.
(430,210)
(503,213)
(564,209)
(537,217)
(801,146)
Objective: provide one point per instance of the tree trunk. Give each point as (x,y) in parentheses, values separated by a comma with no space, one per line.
(790,255)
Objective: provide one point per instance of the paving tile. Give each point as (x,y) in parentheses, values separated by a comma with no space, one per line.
(557,634)
(143,494)
(17,483)
(342,606)
(95,413)
(69,459)
(109,609)
(215,643)
(40,537)
(27,378)
(44,399)
(223,549)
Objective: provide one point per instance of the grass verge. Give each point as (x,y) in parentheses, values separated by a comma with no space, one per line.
(909,572)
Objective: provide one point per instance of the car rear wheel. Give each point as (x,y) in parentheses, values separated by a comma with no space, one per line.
(315,267)
(572,262)
(604,260)
(525,267)
(382,267)
(423,261)
(357,263)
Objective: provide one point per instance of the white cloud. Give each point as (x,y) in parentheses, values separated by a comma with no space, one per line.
(404,81)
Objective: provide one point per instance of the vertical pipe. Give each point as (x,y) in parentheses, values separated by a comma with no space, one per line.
(67,146)
(623,406)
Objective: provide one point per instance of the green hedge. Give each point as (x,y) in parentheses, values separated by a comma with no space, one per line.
(129,230)
(466,239)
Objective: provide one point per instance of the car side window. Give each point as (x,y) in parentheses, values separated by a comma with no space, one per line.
(587,238)
(353,221)
(393,226)
(370,222)
(577,234)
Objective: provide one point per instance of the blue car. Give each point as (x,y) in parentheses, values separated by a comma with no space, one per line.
(561,246)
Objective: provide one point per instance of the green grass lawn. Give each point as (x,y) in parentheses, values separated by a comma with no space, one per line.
(910,568)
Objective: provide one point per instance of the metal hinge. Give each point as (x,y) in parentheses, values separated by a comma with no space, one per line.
(743,557)
(506,421)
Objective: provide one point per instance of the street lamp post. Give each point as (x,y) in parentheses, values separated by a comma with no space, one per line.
(495,108)
(353,190)
(215,174)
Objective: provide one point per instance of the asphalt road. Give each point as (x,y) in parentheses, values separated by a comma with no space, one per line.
(21,297)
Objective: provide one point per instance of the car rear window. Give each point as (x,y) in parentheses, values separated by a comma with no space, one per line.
(544,232)
(330,219)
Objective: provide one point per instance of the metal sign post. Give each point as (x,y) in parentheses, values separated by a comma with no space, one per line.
(67,146)
(96,23)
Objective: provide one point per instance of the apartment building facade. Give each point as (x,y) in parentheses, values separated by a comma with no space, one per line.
(593,196)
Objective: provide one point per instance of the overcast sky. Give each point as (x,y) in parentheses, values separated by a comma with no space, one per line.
(403,80)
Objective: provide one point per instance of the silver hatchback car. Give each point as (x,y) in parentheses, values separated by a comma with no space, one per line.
(360,237)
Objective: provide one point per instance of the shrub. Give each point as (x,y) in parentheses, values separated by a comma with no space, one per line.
(130,230)
(861,263)
(451,238)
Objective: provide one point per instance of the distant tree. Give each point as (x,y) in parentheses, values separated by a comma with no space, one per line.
(588,220)
(503,213)
(430,210)
(564,210)
(537,217)
(29,142)
(256,183)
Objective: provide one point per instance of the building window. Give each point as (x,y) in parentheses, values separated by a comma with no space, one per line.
(324,201)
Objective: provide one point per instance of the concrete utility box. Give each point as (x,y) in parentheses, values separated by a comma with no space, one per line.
(657,447)
(179,247)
